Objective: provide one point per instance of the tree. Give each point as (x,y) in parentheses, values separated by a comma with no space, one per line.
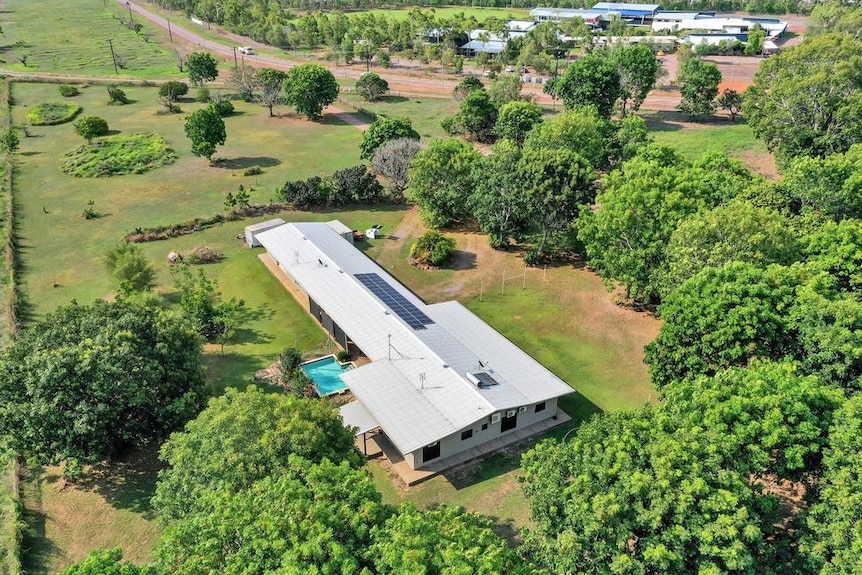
(131,268)
(722,317)
(499,200)
(90,127)
(505,88)
(9,141)
(836,532)
(116,96)
(89,381)
(241,438)
(806,100)
(590,81)
(173,91)
(829,186)
(834,248)
(699,87)
(371,86)
(307,518)
(309,88)
(557,182)
(641,205)
(635,492)
(202,67)
(442,541)
(730,100)
(289,361)
(439,176)
(478,115)
(106,562)
(736,231)
(754,43)
(206,130)
(270,83)
(580,131)
(467,85)
(392,160)
(246,81)
(516,119)
(638,69)
(203,307)
(382,130)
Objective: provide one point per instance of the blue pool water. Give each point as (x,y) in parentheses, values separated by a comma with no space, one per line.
(325,372)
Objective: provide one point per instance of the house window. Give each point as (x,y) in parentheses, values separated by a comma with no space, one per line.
(466,434)
(430,452)
(484,426)
(540,407)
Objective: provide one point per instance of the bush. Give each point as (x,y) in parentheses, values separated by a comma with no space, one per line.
(203,255)
(222,107)
(253,171)
(433,249)
(90,127)
(68,91)
(202,95)
(117,155)
(343,356)
(52,113)
(116,96)
(173,90)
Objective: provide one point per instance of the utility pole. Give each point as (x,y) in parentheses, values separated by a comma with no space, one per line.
(235,62)
(129,6)
(113,58)
(170,34)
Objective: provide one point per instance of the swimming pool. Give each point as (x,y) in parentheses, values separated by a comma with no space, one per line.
(325,372)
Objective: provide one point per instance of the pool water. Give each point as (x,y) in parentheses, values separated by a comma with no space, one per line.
(325,374)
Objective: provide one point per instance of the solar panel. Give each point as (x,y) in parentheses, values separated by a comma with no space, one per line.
(396,302)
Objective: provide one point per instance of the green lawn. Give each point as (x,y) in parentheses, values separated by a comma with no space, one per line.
(59,36)
(424,113)
(694,139)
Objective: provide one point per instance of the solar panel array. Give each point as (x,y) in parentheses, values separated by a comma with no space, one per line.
(394,300)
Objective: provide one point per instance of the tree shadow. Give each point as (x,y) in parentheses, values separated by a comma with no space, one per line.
(393,99)
(505,529)
(665,121)
(29,153)
(37,551)
(462,260)
(113,133)
(128,482)
(243,163)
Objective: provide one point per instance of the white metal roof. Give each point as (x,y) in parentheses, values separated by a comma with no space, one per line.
(416,385)
(491,46)
(773,28)
(354,414)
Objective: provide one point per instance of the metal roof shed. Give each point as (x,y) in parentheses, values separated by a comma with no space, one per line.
(252,231)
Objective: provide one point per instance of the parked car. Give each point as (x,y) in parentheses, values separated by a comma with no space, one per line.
(247,50)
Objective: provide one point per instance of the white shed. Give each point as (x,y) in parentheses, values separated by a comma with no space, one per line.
(253,230)
(342,230)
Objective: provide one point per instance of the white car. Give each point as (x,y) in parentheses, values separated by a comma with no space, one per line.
(248,51)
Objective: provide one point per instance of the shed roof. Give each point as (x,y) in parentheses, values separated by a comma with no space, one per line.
(416,385)
(627,9)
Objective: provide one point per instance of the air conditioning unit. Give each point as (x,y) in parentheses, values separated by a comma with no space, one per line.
(522,409)
(511,413)
(495,418)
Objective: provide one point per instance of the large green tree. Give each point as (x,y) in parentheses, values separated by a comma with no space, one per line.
(440,177)
(309,88)
(723,317)
(202,67)
(807,101)
(306,518)
(478,115)
(580,131)
(206,130)
(830,186)
(443,541)
(499,199)
(698,83)
(382,130)
(90,380)
(834,520)
(590,81)
(638,69)
(516,119)
(242,437)
(371,86)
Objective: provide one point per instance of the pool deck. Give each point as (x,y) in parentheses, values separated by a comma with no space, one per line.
(380,447)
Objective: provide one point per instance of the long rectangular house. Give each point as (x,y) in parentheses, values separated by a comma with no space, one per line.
(440,380)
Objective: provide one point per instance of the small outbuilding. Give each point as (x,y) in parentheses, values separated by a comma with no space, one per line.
(252,231)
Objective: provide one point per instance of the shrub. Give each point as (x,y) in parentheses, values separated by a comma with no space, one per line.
(117,155)
(433,249)
(253,171)
(203,94)
(222,107)
(52,113)
(90,127)
(343,356)
(203,255)
(116,96)
(68,91)
(173,90)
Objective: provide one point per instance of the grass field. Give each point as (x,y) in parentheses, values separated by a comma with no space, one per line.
(72,38)
(424,113)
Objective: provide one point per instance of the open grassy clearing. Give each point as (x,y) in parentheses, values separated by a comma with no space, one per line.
(424,113)
(71,38)
(61,252)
